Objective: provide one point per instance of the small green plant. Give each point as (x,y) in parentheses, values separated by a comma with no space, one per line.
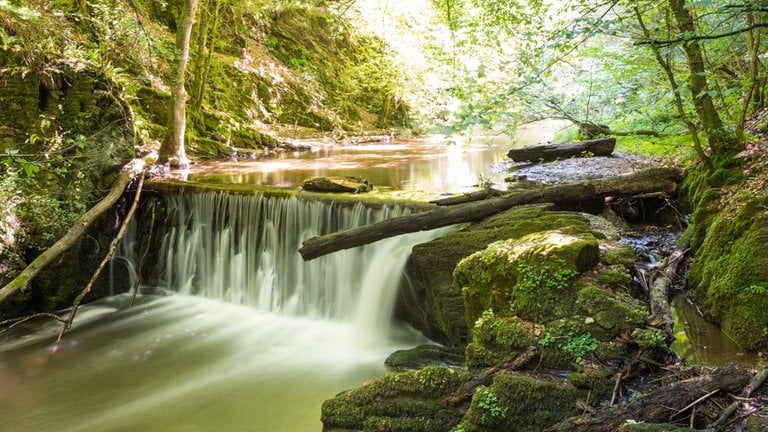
(757,290)
(647,338)
(580,346)
(489,402)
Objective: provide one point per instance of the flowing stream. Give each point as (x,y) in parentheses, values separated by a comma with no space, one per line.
(242,334)
(237,333)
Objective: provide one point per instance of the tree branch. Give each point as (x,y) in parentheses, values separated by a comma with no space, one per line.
(701,37)
(21,282)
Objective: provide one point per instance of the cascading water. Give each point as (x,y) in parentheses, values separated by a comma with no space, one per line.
(244,250)
(254,339)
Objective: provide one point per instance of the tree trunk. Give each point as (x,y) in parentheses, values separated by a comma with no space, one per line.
(647,180)
(549,152)
(21,282)
(666,66)
(720,141)
(172,149)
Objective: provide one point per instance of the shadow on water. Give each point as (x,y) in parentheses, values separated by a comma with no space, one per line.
(698,341)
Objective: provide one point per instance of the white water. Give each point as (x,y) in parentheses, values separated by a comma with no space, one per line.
(252,339)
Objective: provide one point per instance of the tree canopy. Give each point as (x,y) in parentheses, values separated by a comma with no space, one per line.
(652,65)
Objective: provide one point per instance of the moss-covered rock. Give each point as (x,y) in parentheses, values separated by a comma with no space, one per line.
(404,401)
(425,355)
(728,233)
(609,314)
(731,276)
(521,403)
(531,276)
(496,338)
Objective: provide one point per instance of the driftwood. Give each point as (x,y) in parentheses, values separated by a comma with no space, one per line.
(754,384)
(553,151)
(647,180)
(661,313)
(516,361)
(21,282)
(661,405)
(104,261)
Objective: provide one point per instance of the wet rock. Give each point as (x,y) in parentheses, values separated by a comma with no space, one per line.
(337,184)
(425,355)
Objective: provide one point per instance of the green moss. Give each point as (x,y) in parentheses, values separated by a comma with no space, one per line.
(521,403)
(649,337)
(723,177)
(615,277)
(609,314)
(529,277)
(591,378)
(732,259)
(495,338)
(618,254)
(405,400)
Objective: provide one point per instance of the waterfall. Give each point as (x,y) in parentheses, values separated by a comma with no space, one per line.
(243,249)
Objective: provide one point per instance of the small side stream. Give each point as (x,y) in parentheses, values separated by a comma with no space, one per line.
(697,341)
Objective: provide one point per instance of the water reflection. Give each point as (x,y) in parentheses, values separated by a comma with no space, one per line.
(700,342)
(434,165)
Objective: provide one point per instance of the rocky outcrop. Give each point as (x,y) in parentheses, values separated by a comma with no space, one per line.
(527,291)
(728,234)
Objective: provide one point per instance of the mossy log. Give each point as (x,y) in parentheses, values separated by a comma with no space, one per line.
(553,151)
(662,404)
(128,173)
(643,181)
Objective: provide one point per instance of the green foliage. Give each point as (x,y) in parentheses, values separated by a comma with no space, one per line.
(489,402)
(649,337)
(580,346)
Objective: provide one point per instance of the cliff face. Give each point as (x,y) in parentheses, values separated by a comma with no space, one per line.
(82,91)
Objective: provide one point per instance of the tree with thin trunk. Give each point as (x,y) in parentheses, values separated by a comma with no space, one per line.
(172,150)
(721,142)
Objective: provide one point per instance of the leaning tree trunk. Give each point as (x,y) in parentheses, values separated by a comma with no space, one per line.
(21,282)
(172,150)
(720,140)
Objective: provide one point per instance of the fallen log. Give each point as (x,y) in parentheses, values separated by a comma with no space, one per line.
(110,252)
(661,405)
(129,171)
(760,376)
(553,151)
(468,197)
(643,181)
(661,313)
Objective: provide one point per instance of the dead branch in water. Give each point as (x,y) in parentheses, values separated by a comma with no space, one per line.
(107,257)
